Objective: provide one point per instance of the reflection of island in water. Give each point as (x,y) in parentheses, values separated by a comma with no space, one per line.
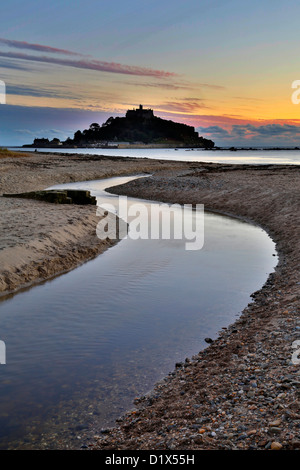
(139,128)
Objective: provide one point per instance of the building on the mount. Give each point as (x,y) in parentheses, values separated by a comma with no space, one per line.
(140,113)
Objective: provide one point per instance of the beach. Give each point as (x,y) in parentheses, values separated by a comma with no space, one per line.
(242,391)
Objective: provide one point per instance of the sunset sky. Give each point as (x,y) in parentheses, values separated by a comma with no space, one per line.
(225,67)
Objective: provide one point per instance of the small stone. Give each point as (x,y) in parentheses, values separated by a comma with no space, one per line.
(198,440)
(276,446)
(208,340)
(274,430)
(275,423)
(105,431)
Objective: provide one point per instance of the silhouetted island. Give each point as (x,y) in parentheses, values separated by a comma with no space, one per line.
(140,127)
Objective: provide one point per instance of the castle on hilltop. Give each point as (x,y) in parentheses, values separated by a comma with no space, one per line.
(140,113)
(140,127)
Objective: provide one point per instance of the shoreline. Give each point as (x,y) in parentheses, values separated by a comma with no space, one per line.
(158,146)
(200,404)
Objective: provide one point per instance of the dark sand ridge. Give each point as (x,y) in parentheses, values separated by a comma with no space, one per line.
(243,390)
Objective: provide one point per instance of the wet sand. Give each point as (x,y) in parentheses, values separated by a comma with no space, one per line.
(242,391)
(38,239)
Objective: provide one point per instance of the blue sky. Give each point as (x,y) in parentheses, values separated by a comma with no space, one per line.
(225,67)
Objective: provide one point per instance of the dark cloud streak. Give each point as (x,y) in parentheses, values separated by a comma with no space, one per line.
(37,92)
(36,47)
(97,65)
(185,106)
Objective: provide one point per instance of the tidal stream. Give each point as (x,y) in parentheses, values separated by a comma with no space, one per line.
(82,346)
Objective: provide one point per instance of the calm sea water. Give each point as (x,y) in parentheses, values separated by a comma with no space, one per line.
(196,155)
(83,345)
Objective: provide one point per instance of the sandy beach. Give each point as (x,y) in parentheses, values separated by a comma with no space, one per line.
(242,391)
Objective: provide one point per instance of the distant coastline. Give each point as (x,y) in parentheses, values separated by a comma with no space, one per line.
(153,146)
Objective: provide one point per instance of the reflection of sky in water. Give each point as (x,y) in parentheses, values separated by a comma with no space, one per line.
(196,155)
(124,318)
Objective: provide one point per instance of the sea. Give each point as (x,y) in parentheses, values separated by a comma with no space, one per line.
(256,156)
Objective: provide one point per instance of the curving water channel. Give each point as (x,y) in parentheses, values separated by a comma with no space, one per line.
(83,345)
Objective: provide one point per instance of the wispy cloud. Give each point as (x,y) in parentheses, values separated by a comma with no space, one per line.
(165,85)
(92,64)
(13,65)
(39,92)
(175,85)
(18,59)
(244,98)
(36,47)
(214,87)
(185,106)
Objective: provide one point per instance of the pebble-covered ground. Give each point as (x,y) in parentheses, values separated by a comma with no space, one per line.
(243,390)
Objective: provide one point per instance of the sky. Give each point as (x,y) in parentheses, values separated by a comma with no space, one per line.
(225,67)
